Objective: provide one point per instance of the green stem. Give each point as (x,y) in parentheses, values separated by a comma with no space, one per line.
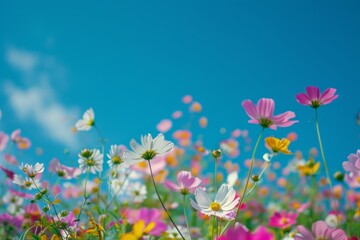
(324,160)
(225,227)
(249,174)
(162,204)
(85,197)
(267,165)
(215,175)
(213,227)
(186,221)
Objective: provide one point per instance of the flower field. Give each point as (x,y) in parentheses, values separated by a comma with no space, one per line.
(172,186)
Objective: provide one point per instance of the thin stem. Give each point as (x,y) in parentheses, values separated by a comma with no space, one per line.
(85,198)
(255,183)
(215,174)
(324,160)
(249,174)
(162,204)
(186,221)
(213,227)
(225,227)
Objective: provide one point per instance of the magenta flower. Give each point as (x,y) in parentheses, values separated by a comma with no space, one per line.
(313,98)
(186,183)
(149,216)
(353,163)
(283,219)
(241,232)
(263,112)
(320,230)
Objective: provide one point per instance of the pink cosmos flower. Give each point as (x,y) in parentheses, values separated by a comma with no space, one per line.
(320,230)
(262,114)
(241,232)
(10,159)
(353,163)
(15,221)
(149,216)
(353,180)
(21,142)
(186,183)
(283,219)
(164,126)
(63,171)
(4,138)
(313,98)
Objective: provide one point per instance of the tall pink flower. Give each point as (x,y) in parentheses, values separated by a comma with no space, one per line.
(353,163)
(263,112)
(283,219)
(320,230)
(313,98)
(186,183)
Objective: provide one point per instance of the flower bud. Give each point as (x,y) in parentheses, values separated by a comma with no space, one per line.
(255,178)
(216,153)
(339,176)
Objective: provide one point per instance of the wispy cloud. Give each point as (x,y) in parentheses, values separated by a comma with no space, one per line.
(38,102)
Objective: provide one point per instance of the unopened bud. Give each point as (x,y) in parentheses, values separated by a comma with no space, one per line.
(64,213)
(45,208)
(339,176)
(255,178)
(216,153)
(38,196)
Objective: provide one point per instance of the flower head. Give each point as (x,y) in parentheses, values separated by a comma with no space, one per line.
(30,170)
(276,145)
(283,219)
(91,160)
(21,142)
(310,168)
(116,157)
(4,138)
(186,183)
(353,163)
(320,230)
(223,206)
(87,121)
(26,182)
(148,149)
(63,171)
(262,114)
(313,98)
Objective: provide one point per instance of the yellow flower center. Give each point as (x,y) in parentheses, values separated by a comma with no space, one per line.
(116,160)
(284,220)
(215,206)
(142,165)
(90,162)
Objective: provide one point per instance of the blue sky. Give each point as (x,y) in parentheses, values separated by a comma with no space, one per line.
(132,61)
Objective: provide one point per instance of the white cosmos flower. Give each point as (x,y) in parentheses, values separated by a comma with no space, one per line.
(30,170)
(14,203)
(116,158)
(148,149)
(26,182)
(87,121)
(91,160)
(223,205)
(137,192)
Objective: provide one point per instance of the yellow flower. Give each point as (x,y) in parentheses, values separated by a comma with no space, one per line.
(310,168)
(276,145)
(138,230)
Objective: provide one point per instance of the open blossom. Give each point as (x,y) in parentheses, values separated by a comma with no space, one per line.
(242,233)
(26,182)
(283,219)
(148,149)
(21,142)
(186,183)
(116,157)
(30,170)
(223,206)
(63,171)
(276,145)
(320,230)
(313,98)
(87,121)
(353,163)
(152,223)
(262,114)
(91,160)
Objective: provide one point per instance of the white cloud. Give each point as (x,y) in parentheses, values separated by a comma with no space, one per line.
(38,103)
(22,60)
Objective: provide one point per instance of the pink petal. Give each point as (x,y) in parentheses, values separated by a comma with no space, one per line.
(313,93)
(302,98)
(328,96)
(250,109)
(320,228)
(265,107)
(164,126)
(171,185)
(306,234)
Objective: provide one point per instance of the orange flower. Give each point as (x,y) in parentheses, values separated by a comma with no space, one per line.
(276,145)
